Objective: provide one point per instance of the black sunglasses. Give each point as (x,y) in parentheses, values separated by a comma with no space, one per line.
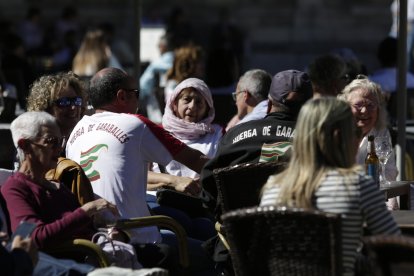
(69,101)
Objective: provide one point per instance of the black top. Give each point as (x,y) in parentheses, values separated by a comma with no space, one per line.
(243,143)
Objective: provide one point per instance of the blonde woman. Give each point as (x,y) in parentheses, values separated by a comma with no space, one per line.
(61,95)
(93,55)
(367,104)
(321,175)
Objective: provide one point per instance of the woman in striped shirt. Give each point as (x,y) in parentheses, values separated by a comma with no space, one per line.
(322,175)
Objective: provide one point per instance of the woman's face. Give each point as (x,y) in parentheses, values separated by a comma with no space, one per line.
(45,148)
(66,109)
(365,109)
(190,106)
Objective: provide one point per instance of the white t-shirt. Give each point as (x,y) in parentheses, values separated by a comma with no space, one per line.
(207,144)
(114,151)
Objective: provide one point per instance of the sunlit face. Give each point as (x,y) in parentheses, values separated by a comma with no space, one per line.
(67,116)
(365,109)
(46,147)
(240,102)
(190,106)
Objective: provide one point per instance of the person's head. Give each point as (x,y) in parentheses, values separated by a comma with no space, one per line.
(252,88)
(37,139)
(328,74)
(62,95)
(387,52)
(191,101)
(288,91)
(166,43)
(114,90)
(93,54)
(366,100)
(326,138)
(325,134)
(188,62)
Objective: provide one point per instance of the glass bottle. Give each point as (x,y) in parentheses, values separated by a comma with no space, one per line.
(372,161)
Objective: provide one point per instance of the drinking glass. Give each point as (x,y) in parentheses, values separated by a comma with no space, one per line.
(383,148)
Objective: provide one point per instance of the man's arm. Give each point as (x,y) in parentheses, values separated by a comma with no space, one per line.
(192,158)
(179,183)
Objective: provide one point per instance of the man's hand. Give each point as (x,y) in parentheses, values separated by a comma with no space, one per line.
(187,185)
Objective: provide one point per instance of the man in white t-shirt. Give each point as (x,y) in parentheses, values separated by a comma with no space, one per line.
(114,147)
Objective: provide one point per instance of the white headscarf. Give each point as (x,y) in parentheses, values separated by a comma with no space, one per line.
(188,130)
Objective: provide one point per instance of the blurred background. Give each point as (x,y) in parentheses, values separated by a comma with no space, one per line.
(270,34)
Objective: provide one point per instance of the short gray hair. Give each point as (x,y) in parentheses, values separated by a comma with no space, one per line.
(27,126)
(257,82)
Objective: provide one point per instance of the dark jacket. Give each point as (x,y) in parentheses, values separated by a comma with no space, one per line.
(243,143)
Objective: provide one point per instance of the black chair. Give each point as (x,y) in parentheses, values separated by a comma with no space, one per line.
(239,186)
(282,241)
(390,255)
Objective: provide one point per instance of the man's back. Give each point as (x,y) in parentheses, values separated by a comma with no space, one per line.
(114,151)
(244,143)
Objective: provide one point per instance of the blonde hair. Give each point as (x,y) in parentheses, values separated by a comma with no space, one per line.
(373,88)
(93,54)
(186,62)
(44,91)
(323,141)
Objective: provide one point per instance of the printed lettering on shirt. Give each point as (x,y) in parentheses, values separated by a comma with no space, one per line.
(118,133)
(245,134)
(77,133)
(87,159)
(266,130)
(285,131)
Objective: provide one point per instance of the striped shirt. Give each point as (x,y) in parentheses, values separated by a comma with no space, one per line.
(359,202)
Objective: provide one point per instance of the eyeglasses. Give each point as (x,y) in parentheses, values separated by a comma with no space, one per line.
(68,101)
(234,94)
(136,91)
(368,106)
(55,142)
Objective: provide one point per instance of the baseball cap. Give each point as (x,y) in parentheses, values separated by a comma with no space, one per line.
(289,81)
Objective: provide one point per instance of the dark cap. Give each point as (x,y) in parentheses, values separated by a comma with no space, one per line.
(290,81)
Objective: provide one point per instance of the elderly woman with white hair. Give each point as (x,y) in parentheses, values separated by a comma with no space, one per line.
(31,197)
(367,104)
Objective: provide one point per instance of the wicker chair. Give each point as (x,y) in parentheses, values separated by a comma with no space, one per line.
(239,186)
(281,241)
(390,255)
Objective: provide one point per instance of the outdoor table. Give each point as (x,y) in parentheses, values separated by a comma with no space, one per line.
(401,189)
(405,220)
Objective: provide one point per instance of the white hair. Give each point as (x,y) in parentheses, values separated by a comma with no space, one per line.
(27,126)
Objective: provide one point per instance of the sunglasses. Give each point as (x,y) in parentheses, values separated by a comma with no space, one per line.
(136,91)
(68,101)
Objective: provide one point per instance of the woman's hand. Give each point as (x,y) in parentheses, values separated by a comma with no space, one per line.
(26,245)
(99,205)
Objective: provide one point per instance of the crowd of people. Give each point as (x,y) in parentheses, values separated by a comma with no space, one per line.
(316,119)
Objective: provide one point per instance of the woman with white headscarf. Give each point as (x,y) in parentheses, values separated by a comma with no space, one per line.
(188,115)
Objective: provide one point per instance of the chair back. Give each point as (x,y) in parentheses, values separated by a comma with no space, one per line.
(282,241)
(239,186)
(390,255)
(392,105)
